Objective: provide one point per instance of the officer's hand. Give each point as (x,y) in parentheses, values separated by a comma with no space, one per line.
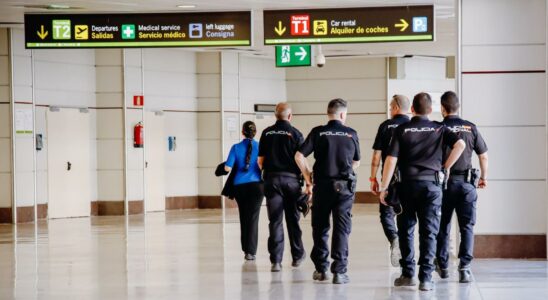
(382,196)
(374,186)
(482,183)
(308,189)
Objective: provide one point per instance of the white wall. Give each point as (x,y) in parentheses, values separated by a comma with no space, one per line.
(509,108)
(109,125)
(5,132)
(360,81)
(62,78)
(423,74)
(169,85)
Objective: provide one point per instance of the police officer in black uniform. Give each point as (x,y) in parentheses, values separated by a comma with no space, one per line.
(417,148)
(277,148)
(461,195)
(337,155)
(399,106)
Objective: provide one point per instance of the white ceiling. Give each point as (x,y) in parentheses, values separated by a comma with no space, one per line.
(12,11)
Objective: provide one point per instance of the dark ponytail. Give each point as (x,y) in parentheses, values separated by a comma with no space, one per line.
(249,130)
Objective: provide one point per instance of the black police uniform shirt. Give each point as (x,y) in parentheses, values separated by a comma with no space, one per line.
(419,146)
(335,147)
(385,132)
(471,136)
(278,145)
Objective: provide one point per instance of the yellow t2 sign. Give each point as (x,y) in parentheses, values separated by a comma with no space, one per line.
(61,29)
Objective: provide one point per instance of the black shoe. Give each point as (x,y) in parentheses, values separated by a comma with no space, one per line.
(249,257)
(340,278)
(395,253)
(320,276)
(426,285)
(405,281)
(276,267)
(444,273)
(297,262)
(465,274)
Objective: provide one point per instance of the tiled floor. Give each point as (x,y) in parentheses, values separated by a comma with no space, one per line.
(195,255)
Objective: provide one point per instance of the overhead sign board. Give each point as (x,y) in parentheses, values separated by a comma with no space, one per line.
(216,29)
(293,56)
(349,25)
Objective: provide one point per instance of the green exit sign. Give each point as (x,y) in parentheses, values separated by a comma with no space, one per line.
(293,56)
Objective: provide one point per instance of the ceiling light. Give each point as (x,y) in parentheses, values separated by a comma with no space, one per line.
(58,6)
(186,6)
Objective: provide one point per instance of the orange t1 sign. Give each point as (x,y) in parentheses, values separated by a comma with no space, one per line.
(138,100)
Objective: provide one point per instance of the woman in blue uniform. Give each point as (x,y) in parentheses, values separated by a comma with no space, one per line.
(248,187)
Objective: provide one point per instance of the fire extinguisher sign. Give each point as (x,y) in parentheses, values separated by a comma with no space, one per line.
(138,100)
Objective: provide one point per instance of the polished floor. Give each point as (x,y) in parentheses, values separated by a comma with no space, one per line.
(195,255)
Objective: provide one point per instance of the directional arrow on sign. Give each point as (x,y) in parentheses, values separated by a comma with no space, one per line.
(302,54)
(280,29)
(42,34)
(403,25)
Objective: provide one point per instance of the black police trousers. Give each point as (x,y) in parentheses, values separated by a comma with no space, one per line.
(331,199)
(281,194)
(388,222)
(460,197)
(249,197)
(420,200)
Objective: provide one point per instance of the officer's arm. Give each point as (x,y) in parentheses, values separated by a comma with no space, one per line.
(484,165)
(303,166)
(456,152)
(260,161)
(375,163)
(388,171)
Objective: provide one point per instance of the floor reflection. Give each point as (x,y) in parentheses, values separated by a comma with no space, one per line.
(196,255)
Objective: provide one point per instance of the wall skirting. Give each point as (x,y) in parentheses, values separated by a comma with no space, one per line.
(182,202)
(510,246)
(209,202)
(5,215)
(110,208)
(136,207)
(42,211)
(25,214)
(366,197)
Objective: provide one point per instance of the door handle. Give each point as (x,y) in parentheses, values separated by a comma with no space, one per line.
(146,164)
(69,166)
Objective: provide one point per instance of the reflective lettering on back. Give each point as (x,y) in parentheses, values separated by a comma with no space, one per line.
(461,128)
(393,126)
(336,133)
(279,132)
(417,130)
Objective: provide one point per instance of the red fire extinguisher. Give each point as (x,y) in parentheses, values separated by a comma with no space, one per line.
(138,138)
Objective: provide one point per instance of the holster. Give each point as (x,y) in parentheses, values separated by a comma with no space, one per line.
(352,183)
(474,177)
(442,178)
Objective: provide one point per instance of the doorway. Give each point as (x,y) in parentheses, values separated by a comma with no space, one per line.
(68,163)
(155,147)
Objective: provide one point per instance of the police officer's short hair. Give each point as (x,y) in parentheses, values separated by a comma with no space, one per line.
(422,103)
(401,101)
(450,102)
(283,110)
(335,106)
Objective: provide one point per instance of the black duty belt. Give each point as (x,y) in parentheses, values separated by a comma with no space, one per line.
(464,173)
(286,174)
(420,178)
(458,177)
